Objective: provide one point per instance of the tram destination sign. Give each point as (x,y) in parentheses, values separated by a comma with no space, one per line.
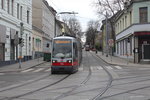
(62,41)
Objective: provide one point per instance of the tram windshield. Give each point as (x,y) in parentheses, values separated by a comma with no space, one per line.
(62,49)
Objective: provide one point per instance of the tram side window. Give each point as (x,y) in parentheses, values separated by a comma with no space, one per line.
(75,50)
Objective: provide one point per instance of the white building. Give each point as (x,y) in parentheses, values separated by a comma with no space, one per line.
(12,13)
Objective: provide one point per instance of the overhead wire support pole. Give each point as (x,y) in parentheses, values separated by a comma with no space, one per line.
(20,50)
(107,48)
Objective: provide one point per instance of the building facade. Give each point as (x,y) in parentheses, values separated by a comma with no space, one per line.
(58,28)
(37,42)
(133,31)
(13,14)
(106,35)
(44,19)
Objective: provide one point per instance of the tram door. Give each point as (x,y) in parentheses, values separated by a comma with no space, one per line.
(146,51)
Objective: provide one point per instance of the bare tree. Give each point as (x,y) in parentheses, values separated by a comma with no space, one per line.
(109,6)
(74,26)
(108,9)
(91,32)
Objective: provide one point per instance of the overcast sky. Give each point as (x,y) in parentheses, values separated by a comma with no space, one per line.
(86,10)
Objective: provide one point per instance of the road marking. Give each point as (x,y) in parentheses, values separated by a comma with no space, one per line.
(27,70)
(80,69)
(99,68)
(48,70)
(40,69)
(1,73)
(118,67)
(109,67)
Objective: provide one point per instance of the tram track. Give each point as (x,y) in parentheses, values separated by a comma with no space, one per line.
(34,81)
(104,89)
(99,97)
(68,93)
(25,83)
(109,82)
(36,90)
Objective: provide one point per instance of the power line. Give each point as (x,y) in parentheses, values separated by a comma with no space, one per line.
(51,1)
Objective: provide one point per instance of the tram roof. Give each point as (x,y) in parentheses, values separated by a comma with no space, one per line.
(64,37)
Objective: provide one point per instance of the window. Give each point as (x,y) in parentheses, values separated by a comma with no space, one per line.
(18,11)
(28,16)
(125,21)
(12,7)
(8,6)
(130,17)
(2,4)
(143,14)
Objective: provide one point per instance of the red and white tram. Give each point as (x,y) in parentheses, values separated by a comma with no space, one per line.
(66,54)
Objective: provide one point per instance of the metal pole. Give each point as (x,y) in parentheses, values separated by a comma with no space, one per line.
(38,51)
(20,50)
(106,35)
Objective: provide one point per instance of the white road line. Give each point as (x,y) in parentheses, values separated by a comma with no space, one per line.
(1,73)
(48,70)
(80,69)
(109,67)
(27,70)
(118,67)
(99,68)
(38,70)
(92,68)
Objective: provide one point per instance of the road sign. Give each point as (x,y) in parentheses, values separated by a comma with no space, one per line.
(111,42)
(16,40)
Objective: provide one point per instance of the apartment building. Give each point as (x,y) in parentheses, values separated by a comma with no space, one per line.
(44,19)
(13,14)
(132,29)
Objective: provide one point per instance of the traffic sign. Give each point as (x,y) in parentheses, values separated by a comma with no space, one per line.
(111,42)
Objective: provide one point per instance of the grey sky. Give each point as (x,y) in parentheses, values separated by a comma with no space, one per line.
(84,8)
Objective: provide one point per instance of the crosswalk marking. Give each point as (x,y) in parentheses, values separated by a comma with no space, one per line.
(48,70)
(109,67)
(80,68)
(40,69)
(1,73)
(118,67)
(93,68)
(27,70)
(99,68)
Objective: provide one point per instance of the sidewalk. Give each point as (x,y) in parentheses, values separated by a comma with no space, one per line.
(24,65)
(119,61)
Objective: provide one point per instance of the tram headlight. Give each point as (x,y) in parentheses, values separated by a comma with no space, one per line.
(54,61)
(69,61)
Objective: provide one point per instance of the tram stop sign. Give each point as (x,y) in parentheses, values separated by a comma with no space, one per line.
(111,42)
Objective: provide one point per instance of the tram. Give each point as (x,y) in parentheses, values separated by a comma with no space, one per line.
(66,54)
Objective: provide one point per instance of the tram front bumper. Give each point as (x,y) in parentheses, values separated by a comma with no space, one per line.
(61,68)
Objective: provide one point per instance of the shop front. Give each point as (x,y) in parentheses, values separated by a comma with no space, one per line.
(143,45)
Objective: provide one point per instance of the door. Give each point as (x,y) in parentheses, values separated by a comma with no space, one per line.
(12,50)
(1,52)
(146,51)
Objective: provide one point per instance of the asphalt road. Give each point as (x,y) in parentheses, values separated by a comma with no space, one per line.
(95,80)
